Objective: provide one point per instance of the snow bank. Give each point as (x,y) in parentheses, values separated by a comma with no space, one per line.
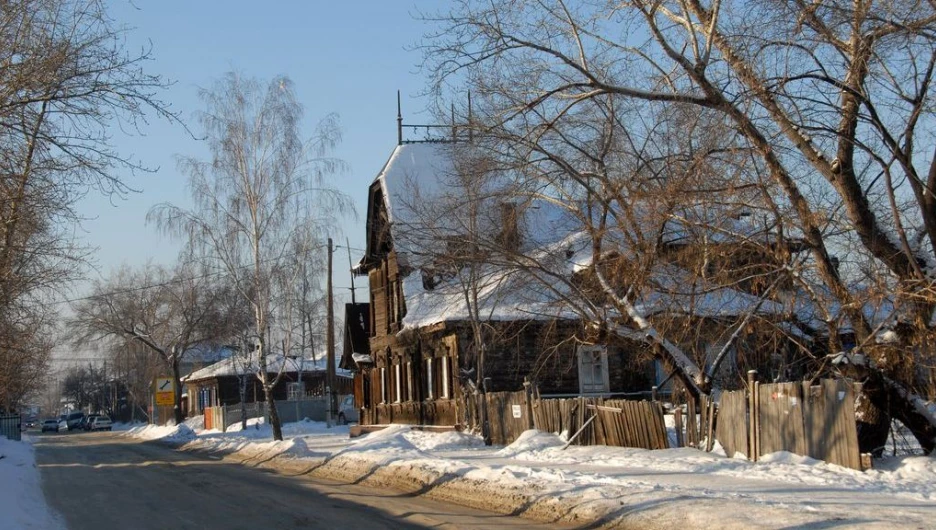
(600,479)
(168,433)
(22,504)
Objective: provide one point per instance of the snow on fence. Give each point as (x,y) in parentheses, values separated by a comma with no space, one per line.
(810,420)
(591,421)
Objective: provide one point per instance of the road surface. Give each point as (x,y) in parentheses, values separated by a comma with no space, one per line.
(106,481)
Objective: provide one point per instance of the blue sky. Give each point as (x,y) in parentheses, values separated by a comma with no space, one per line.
(344,57)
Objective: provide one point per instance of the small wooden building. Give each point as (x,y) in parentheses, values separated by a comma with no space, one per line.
(220,383)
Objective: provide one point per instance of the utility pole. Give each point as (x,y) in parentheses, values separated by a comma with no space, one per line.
(350,269)
(330,337)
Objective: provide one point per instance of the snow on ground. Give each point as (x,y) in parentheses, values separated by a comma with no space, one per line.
(22,504)
(601,476)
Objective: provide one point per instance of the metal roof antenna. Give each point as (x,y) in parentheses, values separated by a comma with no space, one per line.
(399,119)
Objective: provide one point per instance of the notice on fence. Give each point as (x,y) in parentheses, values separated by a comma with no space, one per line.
(516,411)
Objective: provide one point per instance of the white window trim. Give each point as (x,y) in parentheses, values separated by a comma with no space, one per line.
(602,351)
(397,383)
(446,394)
(429,374)
(409,381)
(383,385)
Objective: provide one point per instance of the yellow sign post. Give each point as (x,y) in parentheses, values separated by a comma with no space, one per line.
(165,391)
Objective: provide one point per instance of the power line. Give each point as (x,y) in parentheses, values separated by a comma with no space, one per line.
(175,280)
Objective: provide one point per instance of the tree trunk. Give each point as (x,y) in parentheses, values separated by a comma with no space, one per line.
(177,387)
(243,401)
(274,416)
(893,400)
(873,424)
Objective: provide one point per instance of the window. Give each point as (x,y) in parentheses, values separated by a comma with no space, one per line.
(593,370)
(383,385)
(294,391)
(398,383)
(410,391)
(430,393)
(445,378)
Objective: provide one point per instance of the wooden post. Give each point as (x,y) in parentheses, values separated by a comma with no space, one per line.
(710,441)
(752,415)
(528,395)
(677,420)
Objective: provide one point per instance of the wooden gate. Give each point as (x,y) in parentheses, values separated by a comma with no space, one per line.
(810,420)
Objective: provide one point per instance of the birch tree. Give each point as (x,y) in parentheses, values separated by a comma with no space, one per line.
(830,101)
(263,186)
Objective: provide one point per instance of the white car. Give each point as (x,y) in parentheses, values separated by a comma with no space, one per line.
(50,425)
(347,412)
(101,423)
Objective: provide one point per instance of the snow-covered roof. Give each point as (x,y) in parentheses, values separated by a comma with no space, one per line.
(206,354)
(421,167)
(236,366)
(417,174)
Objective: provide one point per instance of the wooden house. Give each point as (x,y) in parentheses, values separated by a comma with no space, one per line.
(419,361)
(220,383)
(424,344)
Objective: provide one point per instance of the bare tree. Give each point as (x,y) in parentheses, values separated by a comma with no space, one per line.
(830,101)
(167,311)
(66,83)
(258,195)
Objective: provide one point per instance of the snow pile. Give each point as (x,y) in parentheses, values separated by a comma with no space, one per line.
(22,505)
(444,441)
(196,423)
(531,443)
(168,433)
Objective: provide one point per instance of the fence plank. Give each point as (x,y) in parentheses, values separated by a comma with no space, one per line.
(731,429)
(780,413)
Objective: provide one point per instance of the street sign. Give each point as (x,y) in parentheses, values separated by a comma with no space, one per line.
(165,391)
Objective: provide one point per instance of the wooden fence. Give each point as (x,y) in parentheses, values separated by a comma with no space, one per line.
(11,426)
(810,420)
(591,421)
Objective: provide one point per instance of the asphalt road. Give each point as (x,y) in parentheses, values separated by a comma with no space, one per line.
(105,481)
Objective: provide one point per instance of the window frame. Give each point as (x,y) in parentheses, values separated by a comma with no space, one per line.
(585,365)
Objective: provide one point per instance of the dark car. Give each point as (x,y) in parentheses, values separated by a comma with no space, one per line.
(86,422)
(74,420)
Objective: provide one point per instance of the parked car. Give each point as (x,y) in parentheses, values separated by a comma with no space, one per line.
(86,422)
(73,420)
(347,412)
(101,423)
(51,425)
